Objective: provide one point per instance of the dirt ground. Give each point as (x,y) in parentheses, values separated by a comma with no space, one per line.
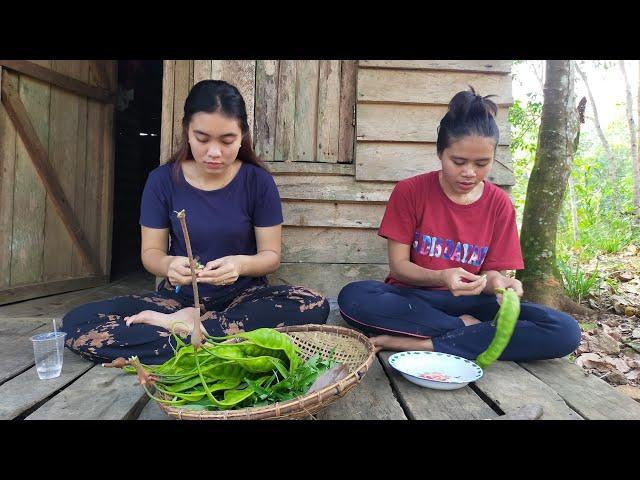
(610,346)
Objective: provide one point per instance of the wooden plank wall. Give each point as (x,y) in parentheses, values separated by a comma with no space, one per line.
(304,110)
(178,78)
(334,179)
(401,102)
(7,177)
(330,233)
(29,196)
(298,110)
(37,255)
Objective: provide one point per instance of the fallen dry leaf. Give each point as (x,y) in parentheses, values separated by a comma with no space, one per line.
(592,360)
(603,343)
(583,347)
(609,320)
(633,363)
(631,250)
(610,344)
(616,378)
(633,392)
(633,375)
(614,332)
(617,363)
(625,276)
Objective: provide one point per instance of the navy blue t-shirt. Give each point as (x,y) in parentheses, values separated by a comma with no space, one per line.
(220,222)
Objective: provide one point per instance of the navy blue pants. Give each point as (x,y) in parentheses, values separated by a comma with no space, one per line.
(378,308)
(97,331)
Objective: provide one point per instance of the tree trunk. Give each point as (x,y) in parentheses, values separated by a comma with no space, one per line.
(596,120)
(547,184)
(632,134)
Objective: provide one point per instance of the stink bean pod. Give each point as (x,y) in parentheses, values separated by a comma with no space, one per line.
(506,320)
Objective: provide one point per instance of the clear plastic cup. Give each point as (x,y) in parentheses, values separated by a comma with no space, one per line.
(48,349)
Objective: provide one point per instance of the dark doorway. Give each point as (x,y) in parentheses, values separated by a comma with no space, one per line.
(137,125)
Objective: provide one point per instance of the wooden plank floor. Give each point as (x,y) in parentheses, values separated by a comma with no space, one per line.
(88,391)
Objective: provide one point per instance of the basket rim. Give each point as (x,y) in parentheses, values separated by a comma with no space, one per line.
(296,405)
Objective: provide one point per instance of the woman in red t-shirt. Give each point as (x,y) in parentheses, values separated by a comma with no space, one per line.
(451,236)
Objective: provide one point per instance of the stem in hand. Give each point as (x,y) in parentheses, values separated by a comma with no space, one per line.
(196,334)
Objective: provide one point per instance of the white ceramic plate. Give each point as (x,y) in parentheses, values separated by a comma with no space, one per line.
(437,370)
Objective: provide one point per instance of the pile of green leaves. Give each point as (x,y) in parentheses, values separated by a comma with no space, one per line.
(265,367)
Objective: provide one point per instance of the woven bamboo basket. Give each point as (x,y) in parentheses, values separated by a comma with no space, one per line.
(352,349)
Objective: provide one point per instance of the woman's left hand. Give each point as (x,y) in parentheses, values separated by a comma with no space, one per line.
(222,271)
(500,281)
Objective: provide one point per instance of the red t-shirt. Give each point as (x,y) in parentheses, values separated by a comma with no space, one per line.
(443,234)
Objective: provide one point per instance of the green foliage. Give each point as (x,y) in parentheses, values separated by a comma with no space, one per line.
(264,368)
(585,327)
(527,118)
(577,283)
(524,118)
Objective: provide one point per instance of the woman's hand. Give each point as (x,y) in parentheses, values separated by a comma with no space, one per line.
(497,280)
(179,272)
(453,280)
(222,271)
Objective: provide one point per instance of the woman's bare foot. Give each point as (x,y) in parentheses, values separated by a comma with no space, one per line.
(400,343)
(469,320)
(182,319)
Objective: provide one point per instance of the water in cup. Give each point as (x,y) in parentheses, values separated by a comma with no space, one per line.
(48,349)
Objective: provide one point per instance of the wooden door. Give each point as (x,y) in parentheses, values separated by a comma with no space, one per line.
(56,175)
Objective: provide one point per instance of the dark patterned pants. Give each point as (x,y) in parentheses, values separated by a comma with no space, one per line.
(97,331)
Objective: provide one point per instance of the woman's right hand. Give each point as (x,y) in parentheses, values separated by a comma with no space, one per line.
(179,272)
(453,280)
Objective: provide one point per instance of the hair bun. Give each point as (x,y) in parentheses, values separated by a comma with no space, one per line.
(469,104)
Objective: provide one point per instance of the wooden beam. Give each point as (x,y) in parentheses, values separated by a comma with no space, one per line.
(7,183)
(326,214)
(511,387)
(120,398)
(348,77)
(33,290)
(412,123)
(265,109)
(422,87)
(59,80)
(393,161)
(166,122)
(590,396)
(332,245)
(327,278)
(16,354)
(107,79)
(287,167)
(339,192)
(26,390)
(108,178)
(480,66)
(18,113)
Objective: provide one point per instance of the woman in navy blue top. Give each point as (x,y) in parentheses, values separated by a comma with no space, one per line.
(234,218)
